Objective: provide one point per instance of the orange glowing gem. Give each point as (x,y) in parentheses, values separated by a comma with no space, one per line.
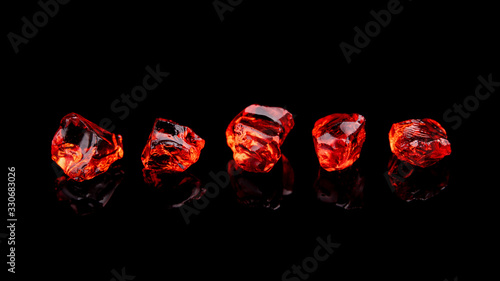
(255,136)
(338,139)
(84,150)
(171,147)
(420,142)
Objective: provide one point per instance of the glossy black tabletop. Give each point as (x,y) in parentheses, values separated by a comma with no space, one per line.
(122,66)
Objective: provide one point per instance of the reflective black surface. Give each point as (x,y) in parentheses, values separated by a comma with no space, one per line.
(415,183)
(343,188)
(89,196)
(265,190)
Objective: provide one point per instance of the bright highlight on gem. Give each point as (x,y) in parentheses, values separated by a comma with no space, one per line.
(84,150)
(420,142)
(338,139)
(255,136)
(171,147)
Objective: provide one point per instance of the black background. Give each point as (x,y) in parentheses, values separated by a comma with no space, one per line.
(284,54)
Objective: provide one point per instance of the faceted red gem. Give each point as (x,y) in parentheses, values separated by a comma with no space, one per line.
(84,150)
(338,139)
(255,136)
(171,147)
(421,142)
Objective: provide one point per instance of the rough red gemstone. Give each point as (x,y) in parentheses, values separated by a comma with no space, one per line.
(338,139)
(84,150)
(255,136)
(421,142)
(171,147)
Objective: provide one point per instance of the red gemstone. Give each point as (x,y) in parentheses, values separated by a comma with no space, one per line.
(84,150)
(173,190)
(338,139)
(421,142)
(171,147)
(255,136)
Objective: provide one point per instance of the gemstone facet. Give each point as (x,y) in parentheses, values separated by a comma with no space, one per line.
(338,139)
(420,142)
(171,147)
(84,150)
(255,136)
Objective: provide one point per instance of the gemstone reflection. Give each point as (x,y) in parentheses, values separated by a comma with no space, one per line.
(343,188)
(415,183)
(263,190)
(173,189)
(255,136)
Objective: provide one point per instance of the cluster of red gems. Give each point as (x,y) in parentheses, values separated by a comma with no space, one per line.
(84,150)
